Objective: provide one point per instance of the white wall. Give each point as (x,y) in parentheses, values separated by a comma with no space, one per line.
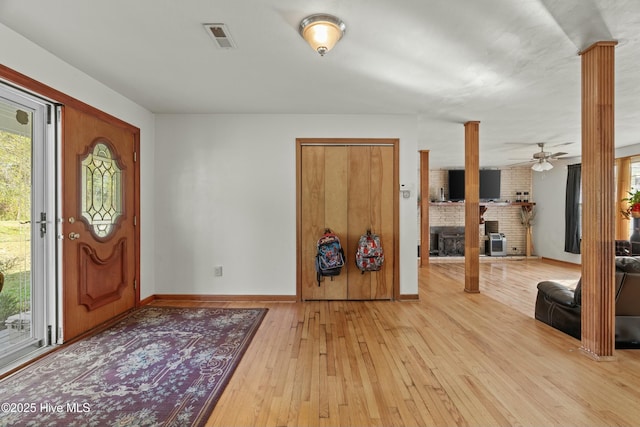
(223,182)
(225,195)
(549,188)
(29,59)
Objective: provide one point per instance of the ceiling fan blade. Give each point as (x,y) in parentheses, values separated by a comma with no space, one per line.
(556,155)
(526,162)
(542,155)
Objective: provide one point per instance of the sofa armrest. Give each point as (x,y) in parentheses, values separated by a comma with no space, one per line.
(557,293)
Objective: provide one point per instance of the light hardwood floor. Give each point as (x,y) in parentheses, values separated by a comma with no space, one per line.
(451,358)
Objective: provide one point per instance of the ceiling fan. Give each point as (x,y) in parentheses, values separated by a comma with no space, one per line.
(541,158)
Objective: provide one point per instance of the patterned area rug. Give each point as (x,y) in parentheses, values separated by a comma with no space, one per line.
(160,366)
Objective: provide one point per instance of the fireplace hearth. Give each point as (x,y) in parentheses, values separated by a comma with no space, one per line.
(446,241)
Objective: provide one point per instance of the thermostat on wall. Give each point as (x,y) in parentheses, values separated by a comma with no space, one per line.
(405,190)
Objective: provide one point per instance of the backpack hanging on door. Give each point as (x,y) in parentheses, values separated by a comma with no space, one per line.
(329,257)
(369,255)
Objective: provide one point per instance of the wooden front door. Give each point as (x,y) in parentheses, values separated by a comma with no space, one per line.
(349,187)
(100,205)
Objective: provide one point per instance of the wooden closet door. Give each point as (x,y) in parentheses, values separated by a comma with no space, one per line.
(349,189)
(323,205)
(370,207)
(382,218)
(359,217)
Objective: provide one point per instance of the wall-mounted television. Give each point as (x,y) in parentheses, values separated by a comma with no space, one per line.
(489,184)
(456,185)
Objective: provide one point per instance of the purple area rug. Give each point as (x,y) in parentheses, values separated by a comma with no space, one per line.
(161,366)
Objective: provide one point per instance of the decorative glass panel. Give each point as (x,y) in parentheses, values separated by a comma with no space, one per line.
(101,192)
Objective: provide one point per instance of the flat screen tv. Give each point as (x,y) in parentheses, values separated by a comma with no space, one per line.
(456,185)
(489,184)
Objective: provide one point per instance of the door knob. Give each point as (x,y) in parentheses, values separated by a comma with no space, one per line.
(74,236)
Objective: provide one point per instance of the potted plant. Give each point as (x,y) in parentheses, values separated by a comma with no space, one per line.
(633,202)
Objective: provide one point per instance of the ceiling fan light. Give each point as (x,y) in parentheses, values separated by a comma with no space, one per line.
(322,31)
(541,166)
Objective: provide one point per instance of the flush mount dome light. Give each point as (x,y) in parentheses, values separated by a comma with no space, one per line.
(322,31)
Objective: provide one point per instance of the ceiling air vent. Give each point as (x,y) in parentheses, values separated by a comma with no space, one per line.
(220,34)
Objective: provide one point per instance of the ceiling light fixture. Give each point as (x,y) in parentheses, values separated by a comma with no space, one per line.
(542,165)
(322,31)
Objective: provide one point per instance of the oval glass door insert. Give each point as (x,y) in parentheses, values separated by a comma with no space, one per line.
(101,192)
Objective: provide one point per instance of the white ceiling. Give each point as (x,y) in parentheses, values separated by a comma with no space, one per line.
(511,64)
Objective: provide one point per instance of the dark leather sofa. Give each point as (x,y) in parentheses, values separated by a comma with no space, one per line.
(560,307)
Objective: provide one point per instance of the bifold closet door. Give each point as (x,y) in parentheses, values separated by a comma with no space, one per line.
(348,189)
(370,207)
(323,205)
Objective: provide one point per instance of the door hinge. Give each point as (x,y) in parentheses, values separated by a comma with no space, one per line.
(135,221)
(135,156)
(135,284)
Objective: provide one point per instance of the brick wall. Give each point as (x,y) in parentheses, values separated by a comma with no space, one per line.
(511,180)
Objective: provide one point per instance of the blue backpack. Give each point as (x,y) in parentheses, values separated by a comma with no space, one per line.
(329,257)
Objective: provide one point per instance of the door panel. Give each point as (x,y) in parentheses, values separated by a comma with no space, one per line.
(382,195)
(99,205)
(335,200)
(359,216)
(323,192)
(312,214)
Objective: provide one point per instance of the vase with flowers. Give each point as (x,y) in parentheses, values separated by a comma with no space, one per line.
(633,205)
(527,215)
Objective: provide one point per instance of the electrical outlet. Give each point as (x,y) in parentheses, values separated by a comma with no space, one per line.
(217,270)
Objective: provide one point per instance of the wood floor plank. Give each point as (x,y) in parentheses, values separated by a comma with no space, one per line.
(450,358)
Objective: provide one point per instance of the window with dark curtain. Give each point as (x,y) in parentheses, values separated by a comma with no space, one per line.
(572,210)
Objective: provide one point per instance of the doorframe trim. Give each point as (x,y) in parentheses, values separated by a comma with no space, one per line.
(395,142)
(40,89)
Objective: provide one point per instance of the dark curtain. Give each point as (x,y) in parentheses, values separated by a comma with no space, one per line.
(572,210)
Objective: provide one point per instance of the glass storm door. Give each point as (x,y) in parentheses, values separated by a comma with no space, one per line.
(27,240)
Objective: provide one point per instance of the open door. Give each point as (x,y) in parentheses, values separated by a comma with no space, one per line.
(99,210)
